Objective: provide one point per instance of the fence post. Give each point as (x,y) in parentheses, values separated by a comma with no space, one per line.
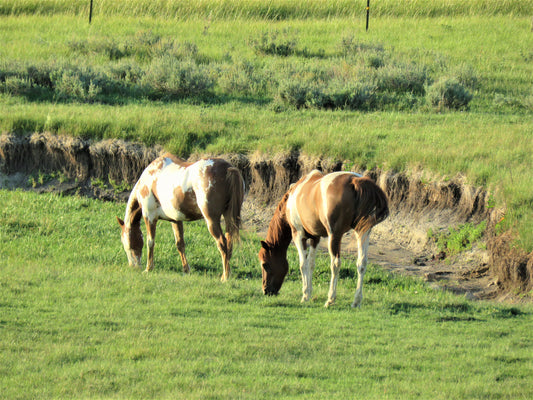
(367,12)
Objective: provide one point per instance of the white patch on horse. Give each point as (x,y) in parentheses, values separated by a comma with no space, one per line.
(199,184)
(294,216)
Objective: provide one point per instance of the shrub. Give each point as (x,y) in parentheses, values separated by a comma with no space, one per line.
(297,93)
(355,96)
(126,71)
(242,78)
(350,46)
(169,78)
(16,86)
(40,75)
(69,84)
(448,93)
(401,79)
(109,47)
(335,95)
(270,43)
(467,76)
(374,60)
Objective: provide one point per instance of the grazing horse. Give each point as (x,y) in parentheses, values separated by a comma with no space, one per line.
(319,206)
(174,190)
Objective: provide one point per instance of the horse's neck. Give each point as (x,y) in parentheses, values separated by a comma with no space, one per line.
(133,210)
(279,233)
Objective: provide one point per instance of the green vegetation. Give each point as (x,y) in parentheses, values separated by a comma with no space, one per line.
(458,239)
(272,10)
(77,322)
(443,86)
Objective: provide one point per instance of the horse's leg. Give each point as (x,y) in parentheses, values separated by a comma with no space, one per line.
(177,227)
(307,286)
(334,247)
(362,249)
(216,231)
(311,255)
(150,233)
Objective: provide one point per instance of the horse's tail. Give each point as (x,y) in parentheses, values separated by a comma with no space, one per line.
(371,204)
(232,216)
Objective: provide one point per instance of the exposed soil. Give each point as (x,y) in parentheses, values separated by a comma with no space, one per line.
(400,244)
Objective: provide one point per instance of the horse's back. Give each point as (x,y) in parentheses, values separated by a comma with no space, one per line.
(322,203)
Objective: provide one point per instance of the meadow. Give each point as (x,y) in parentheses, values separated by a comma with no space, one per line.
(77,322)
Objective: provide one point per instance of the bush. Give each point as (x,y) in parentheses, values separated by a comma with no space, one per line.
(169,78)
(401,79)
(270,43)
(349,47)
(70,84)
(16,86)
(448,93)
(467,76)
(242,78)
(298,94)
(336,95)
(356,96)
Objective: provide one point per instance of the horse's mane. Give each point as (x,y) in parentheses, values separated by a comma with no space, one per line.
(372,204)
(279,230)
(133,212)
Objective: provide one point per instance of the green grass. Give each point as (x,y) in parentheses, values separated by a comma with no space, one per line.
(109,81)
(275,10)
(458,239)
(76,322)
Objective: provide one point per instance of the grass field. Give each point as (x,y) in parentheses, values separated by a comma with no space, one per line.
(76,322)
(225,76)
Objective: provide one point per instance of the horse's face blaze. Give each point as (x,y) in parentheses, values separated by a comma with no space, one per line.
(274,268)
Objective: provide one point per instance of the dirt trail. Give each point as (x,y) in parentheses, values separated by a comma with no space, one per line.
(417,202)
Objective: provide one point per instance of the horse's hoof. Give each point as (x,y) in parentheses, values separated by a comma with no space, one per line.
(356,305)
(329,303)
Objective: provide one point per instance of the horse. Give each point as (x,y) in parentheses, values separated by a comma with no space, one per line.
(174,190)
(319,206)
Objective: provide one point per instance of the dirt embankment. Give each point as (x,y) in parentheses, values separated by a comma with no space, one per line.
(401,243)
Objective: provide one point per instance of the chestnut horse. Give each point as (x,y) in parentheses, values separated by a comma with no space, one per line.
(319,206)
(174,190)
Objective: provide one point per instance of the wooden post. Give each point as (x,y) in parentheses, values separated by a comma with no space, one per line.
(367,12)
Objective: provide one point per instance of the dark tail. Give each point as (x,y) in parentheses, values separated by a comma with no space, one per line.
(232,216)
(371,204)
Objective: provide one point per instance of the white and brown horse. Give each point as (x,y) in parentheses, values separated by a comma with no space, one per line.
(319,206)
(174,190)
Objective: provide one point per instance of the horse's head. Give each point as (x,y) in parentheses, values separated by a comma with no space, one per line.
(275,266)
(132,240)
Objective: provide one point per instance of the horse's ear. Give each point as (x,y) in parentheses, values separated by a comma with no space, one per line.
(120,222)
(265,245)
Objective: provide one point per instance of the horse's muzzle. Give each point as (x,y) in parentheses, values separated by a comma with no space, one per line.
(270,292)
